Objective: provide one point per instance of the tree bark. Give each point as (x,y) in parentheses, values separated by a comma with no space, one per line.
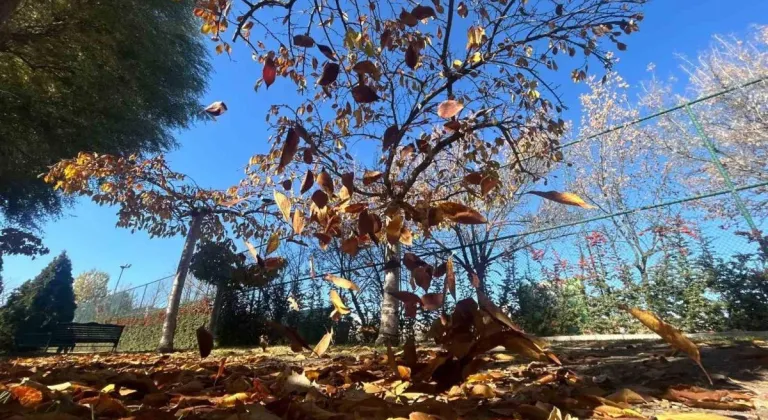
(7,7)
(390,307)
(217,302)
(174,299)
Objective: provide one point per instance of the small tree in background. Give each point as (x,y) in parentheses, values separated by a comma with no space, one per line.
(40,303)
(91,285)
(17,242)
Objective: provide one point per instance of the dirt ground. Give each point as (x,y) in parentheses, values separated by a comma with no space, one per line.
(596,380)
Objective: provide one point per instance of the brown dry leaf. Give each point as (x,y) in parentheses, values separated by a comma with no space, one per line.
(481,391)
(305,41)
(273,243)
(461,213)
(325,182)
(409,351)
(298,221)
(348,180)
(568,198)
(432,301)
(450,278)
(324,240)
(338,304)
(364,94)
(404,372)
(324,343)
(27,396)
(494,311)
(204,341)
(342,282)
(320,198)
(269,72)
(405,297)
(232,400)
(350,246)
(422,277)
(627,396)
(297,343)
(309,181)
(690,416)
(220,372)
(488,184)
(408,19)
(369,177)
(406,237)
(104,405)
(391,136)
(710,399)
(330,73)
(412,56)
(284,204)
(423,12)
(449,108)
(669,333)
(290,147)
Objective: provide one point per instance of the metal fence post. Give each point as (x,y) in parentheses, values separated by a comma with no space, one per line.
(727,178)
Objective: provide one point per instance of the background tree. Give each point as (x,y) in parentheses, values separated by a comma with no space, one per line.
(40,303)
(18,242)
(152,197)
(60,59)
(422,84)
(91,285)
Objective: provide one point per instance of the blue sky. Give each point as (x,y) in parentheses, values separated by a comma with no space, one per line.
(214,153)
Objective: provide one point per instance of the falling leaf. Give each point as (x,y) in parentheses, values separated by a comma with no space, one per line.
(327,51)
(338,304)
(432,301)
(412,56)
(269,72)
(284,204)
(305,41)
(293,304)
(309,181)
(324,240)
(408,19)
(297,343)
(365,67)
(298,221)
(475,37)
(474,178)
(220,372)
(406,237)
(369,177)
(287,184)
(204,341)
(404,372)
(422,277)
(450,278)
(307,156)
(364,94)
(252,250)
(423,12)
(325,182)
(324,343)
(216,109)
(350,246)
(342,282)
(670,334)
(487,185)
(449,108)
(273,263)
(460,213)
(320,198)
(273,243)
(570,199)
(394,227)
(290,147)
(329,75)
(462,10)
(494,311)
(405,297)
(391,136)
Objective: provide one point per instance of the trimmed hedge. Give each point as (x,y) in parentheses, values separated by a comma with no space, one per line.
(143,333)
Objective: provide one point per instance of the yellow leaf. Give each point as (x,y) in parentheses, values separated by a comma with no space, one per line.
(298,221)
(324,343)
(670,334)
(252,250)
(284,204)
(273,243)
(231,400)
(476,57)
(570,199)
(342,282)
(338,304)
(394,228)
(475,37)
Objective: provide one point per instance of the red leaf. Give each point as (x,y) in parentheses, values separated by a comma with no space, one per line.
(364,94)
(309,180)
(269,72)
(330,73)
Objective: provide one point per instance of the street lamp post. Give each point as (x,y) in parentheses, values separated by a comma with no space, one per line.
(122,268)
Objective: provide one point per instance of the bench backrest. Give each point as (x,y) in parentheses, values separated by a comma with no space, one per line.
(86,333)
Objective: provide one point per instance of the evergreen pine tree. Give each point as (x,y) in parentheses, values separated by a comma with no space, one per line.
(39,304)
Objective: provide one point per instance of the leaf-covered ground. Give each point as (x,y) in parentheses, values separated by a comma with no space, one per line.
(616,380)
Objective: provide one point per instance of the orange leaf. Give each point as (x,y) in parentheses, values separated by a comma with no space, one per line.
(460,213)
(284,204)
(494,311)
(450,277)
(27,396)
(394,228)
(273,243)
(449,108)
(342,282)
(324,240)
(350,246)
(570,199)
(298,221)
(670,334)
(371,176)
(273,263)
(325,182)
(422,277)
(406,237)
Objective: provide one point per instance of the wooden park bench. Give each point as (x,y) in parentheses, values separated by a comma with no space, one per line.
(65,336)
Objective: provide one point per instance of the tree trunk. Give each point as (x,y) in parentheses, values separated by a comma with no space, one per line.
(174,299)
(7,7)
(217,302)
(390,307)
